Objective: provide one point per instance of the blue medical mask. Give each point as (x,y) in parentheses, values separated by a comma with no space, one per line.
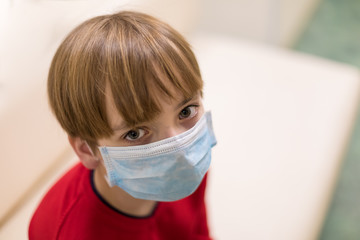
(167,170)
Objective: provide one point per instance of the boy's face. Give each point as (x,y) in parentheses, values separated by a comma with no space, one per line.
(177,115)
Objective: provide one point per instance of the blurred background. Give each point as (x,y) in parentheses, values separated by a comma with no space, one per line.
(30,31)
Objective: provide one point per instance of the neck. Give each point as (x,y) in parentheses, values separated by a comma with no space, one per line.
(119,199)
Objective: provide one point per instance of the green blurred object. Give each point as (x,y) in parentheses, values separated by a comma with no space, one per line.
(334,33)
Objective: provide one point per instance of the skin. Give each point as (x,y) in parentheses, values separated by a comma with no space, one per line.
(176,117)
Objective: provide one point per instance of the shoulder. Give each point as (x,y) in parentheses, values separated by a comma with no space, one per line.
(58,203)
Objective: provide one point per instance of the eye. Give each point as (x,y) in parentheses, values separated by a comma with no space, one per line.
(188,112)
(135,134)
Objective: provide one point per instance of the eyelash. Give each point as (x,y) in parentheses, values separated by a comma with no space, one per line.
(125,137)
(145,132)
(187,107)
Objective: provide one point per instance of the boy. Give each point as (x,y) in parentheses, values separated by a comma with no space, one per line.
(127,90)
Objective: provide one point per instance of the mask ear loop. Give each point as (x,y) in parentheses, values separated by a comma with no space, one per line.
(97,159)
(91,151)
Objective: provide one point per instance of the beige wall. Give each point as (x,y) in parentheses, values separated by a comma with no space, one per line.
(277,22)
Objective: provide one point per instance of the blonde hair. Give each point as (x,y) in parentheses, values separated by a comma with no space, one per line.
(131,52)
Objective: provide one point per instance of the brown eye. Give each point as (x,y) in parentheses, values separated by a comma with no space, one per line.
(188,112)
(135,134)
(185,113)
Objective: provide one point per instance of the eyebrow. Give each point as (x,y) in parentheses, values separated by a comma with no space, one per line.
(185,101)
(119,127)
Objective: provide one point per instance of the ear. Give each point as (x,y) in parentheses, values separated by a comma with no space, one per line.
(82,150)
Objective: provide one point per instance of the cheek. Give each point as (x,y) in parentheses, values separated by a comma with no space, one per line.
(191,122)
(201,110)
(112,141)
(102,142)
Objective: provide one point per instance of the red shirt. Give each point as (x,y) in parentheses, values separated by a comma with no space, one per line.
(72,209)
